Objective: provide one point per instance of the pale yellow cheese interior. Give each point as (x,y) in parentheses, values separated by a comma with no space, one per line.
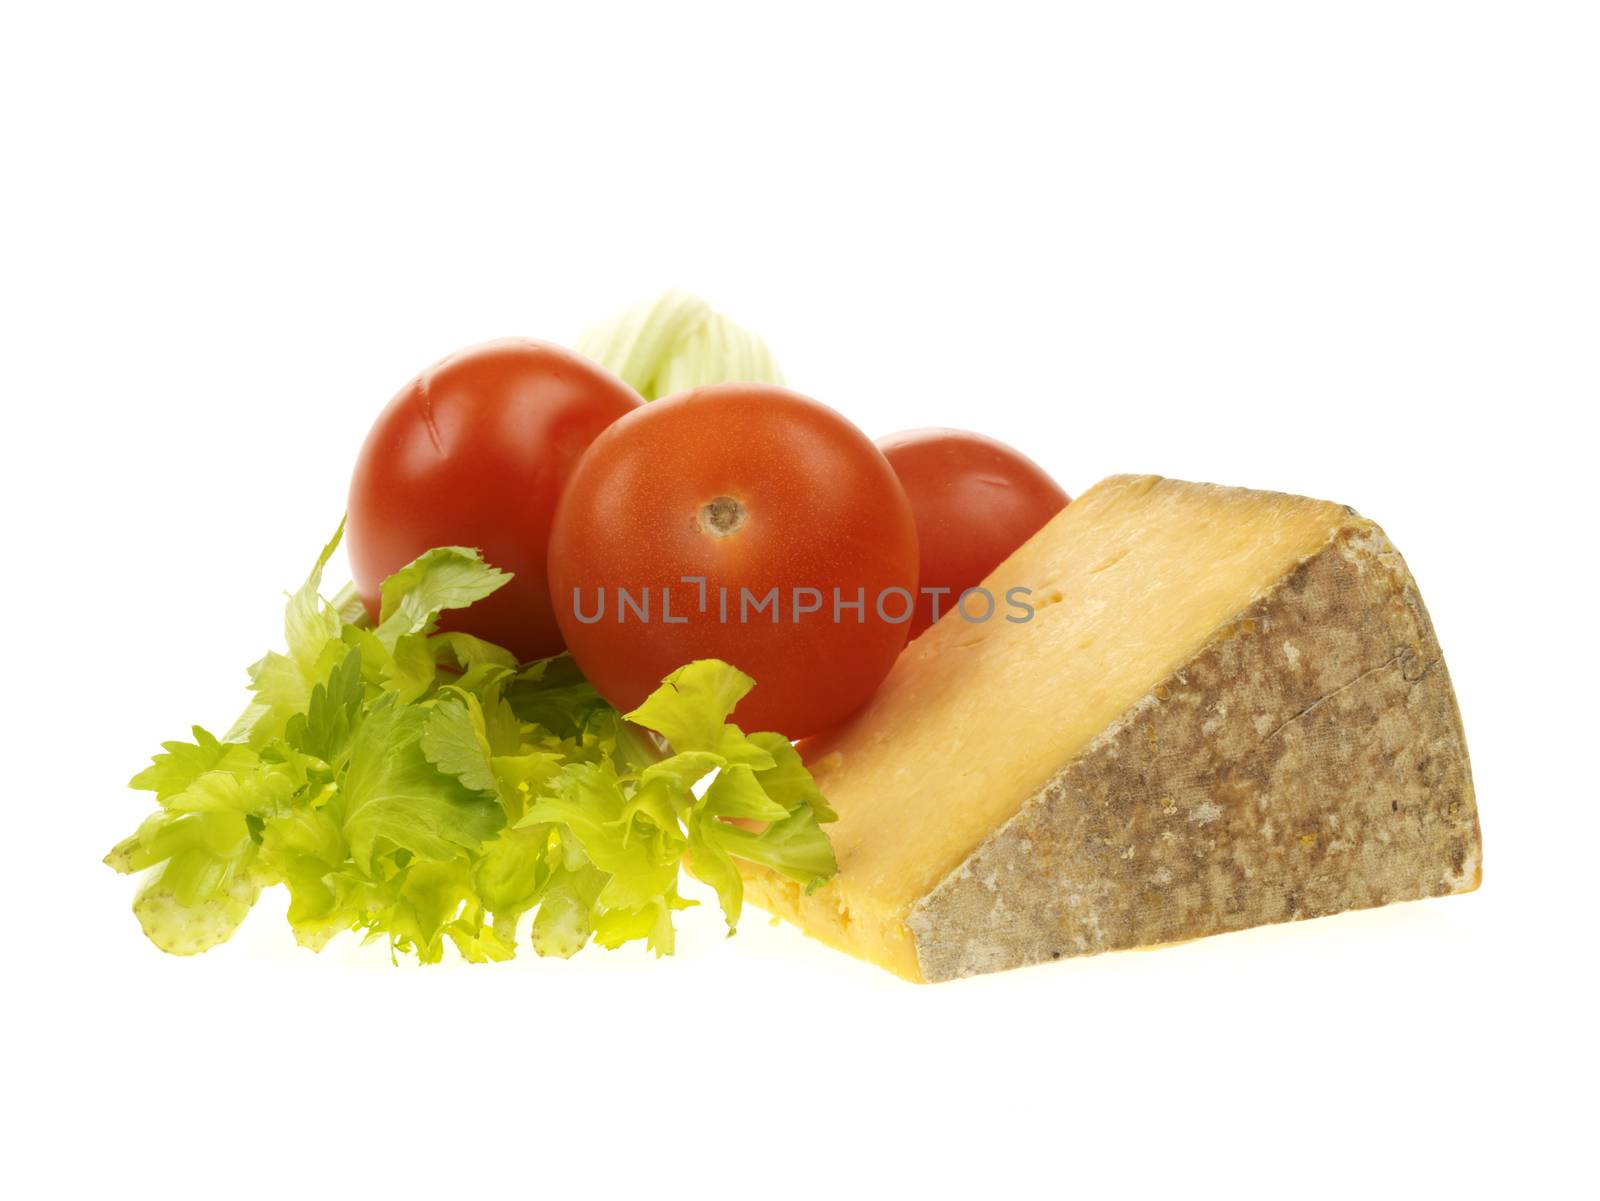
(1129,582)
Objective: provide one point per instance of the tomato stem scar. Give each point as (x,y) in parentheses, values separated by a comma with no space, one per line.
(722,516)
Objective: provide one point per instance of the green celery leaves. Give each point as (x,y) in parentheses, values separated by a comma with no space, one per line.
(424,789)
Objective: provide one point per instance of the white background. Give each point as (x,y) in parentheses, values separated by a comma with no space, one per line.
(1348,250)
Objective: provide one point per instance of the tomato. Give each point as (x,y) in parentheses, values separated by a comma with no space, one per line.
(475,452)
(976,500)
(718,524)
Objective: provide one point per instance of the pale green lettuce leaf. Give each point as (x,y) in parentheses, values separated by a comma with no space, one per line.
(512,874)
(463,651)
(410,669)
(737,793)
(331,714)
(691,707)
(455,741)
(393,798)
(181,763)
(714,866)
(309,622)
(282,684)
(787,781)
(795,847)
(423,790)
(675,342)
(448,577)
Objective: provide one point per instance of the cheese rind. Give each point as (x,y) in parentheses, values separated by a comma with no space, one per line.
(1236,713)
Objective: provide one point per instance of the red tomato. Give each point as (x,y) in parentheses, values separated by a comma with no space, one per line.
(976,500)
(475,452)
(765,496)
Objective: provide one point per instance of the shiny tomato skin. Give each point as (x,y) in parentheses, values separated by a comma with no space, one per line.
(975,499)
(751,488)
(475,452)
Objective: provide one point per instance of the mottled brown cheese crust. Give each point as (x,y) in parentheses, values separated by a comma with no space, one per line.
(1306,758)
(1238,793)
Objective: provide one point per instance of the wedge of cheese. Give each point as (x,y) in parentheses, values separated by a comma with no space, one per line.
(1228,709)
